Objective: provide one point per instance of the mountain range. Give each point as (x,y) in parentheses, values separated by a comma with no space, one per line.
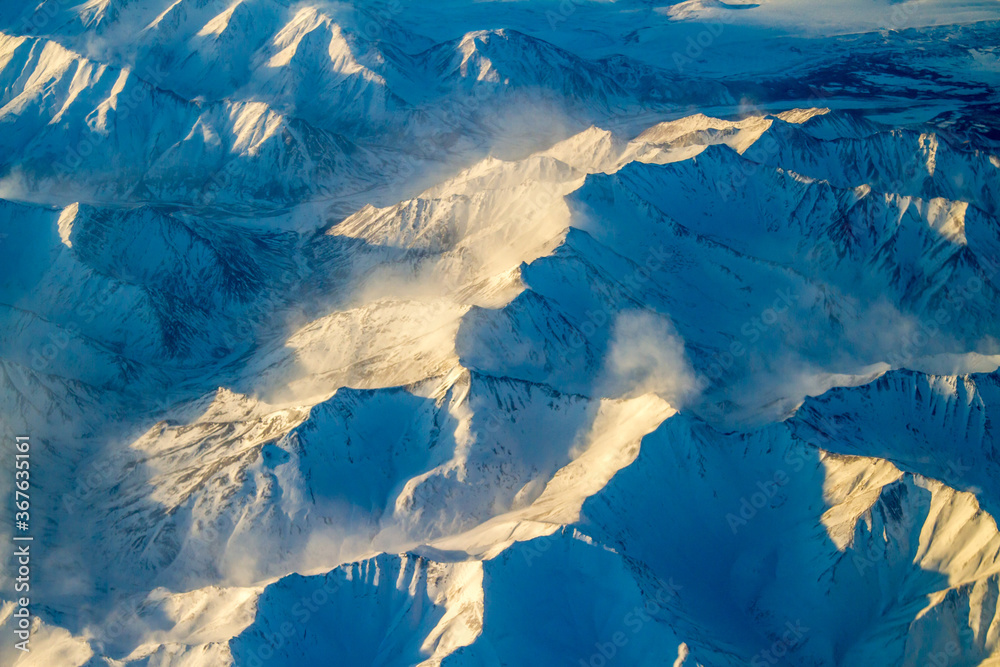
(502,333)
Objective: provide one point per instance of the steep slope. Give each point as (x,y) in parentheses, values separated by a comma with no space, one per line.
(440,335)
(778,532)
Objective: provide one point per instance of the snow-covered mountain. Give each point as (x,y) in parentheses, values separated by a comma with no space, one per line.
(502,333)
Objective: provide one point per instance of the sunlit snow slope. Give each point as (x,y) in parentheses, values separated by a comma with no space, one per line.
(502,333)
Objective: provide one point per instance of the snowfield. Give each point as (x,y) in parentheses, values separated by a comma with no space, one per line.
(502,333)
